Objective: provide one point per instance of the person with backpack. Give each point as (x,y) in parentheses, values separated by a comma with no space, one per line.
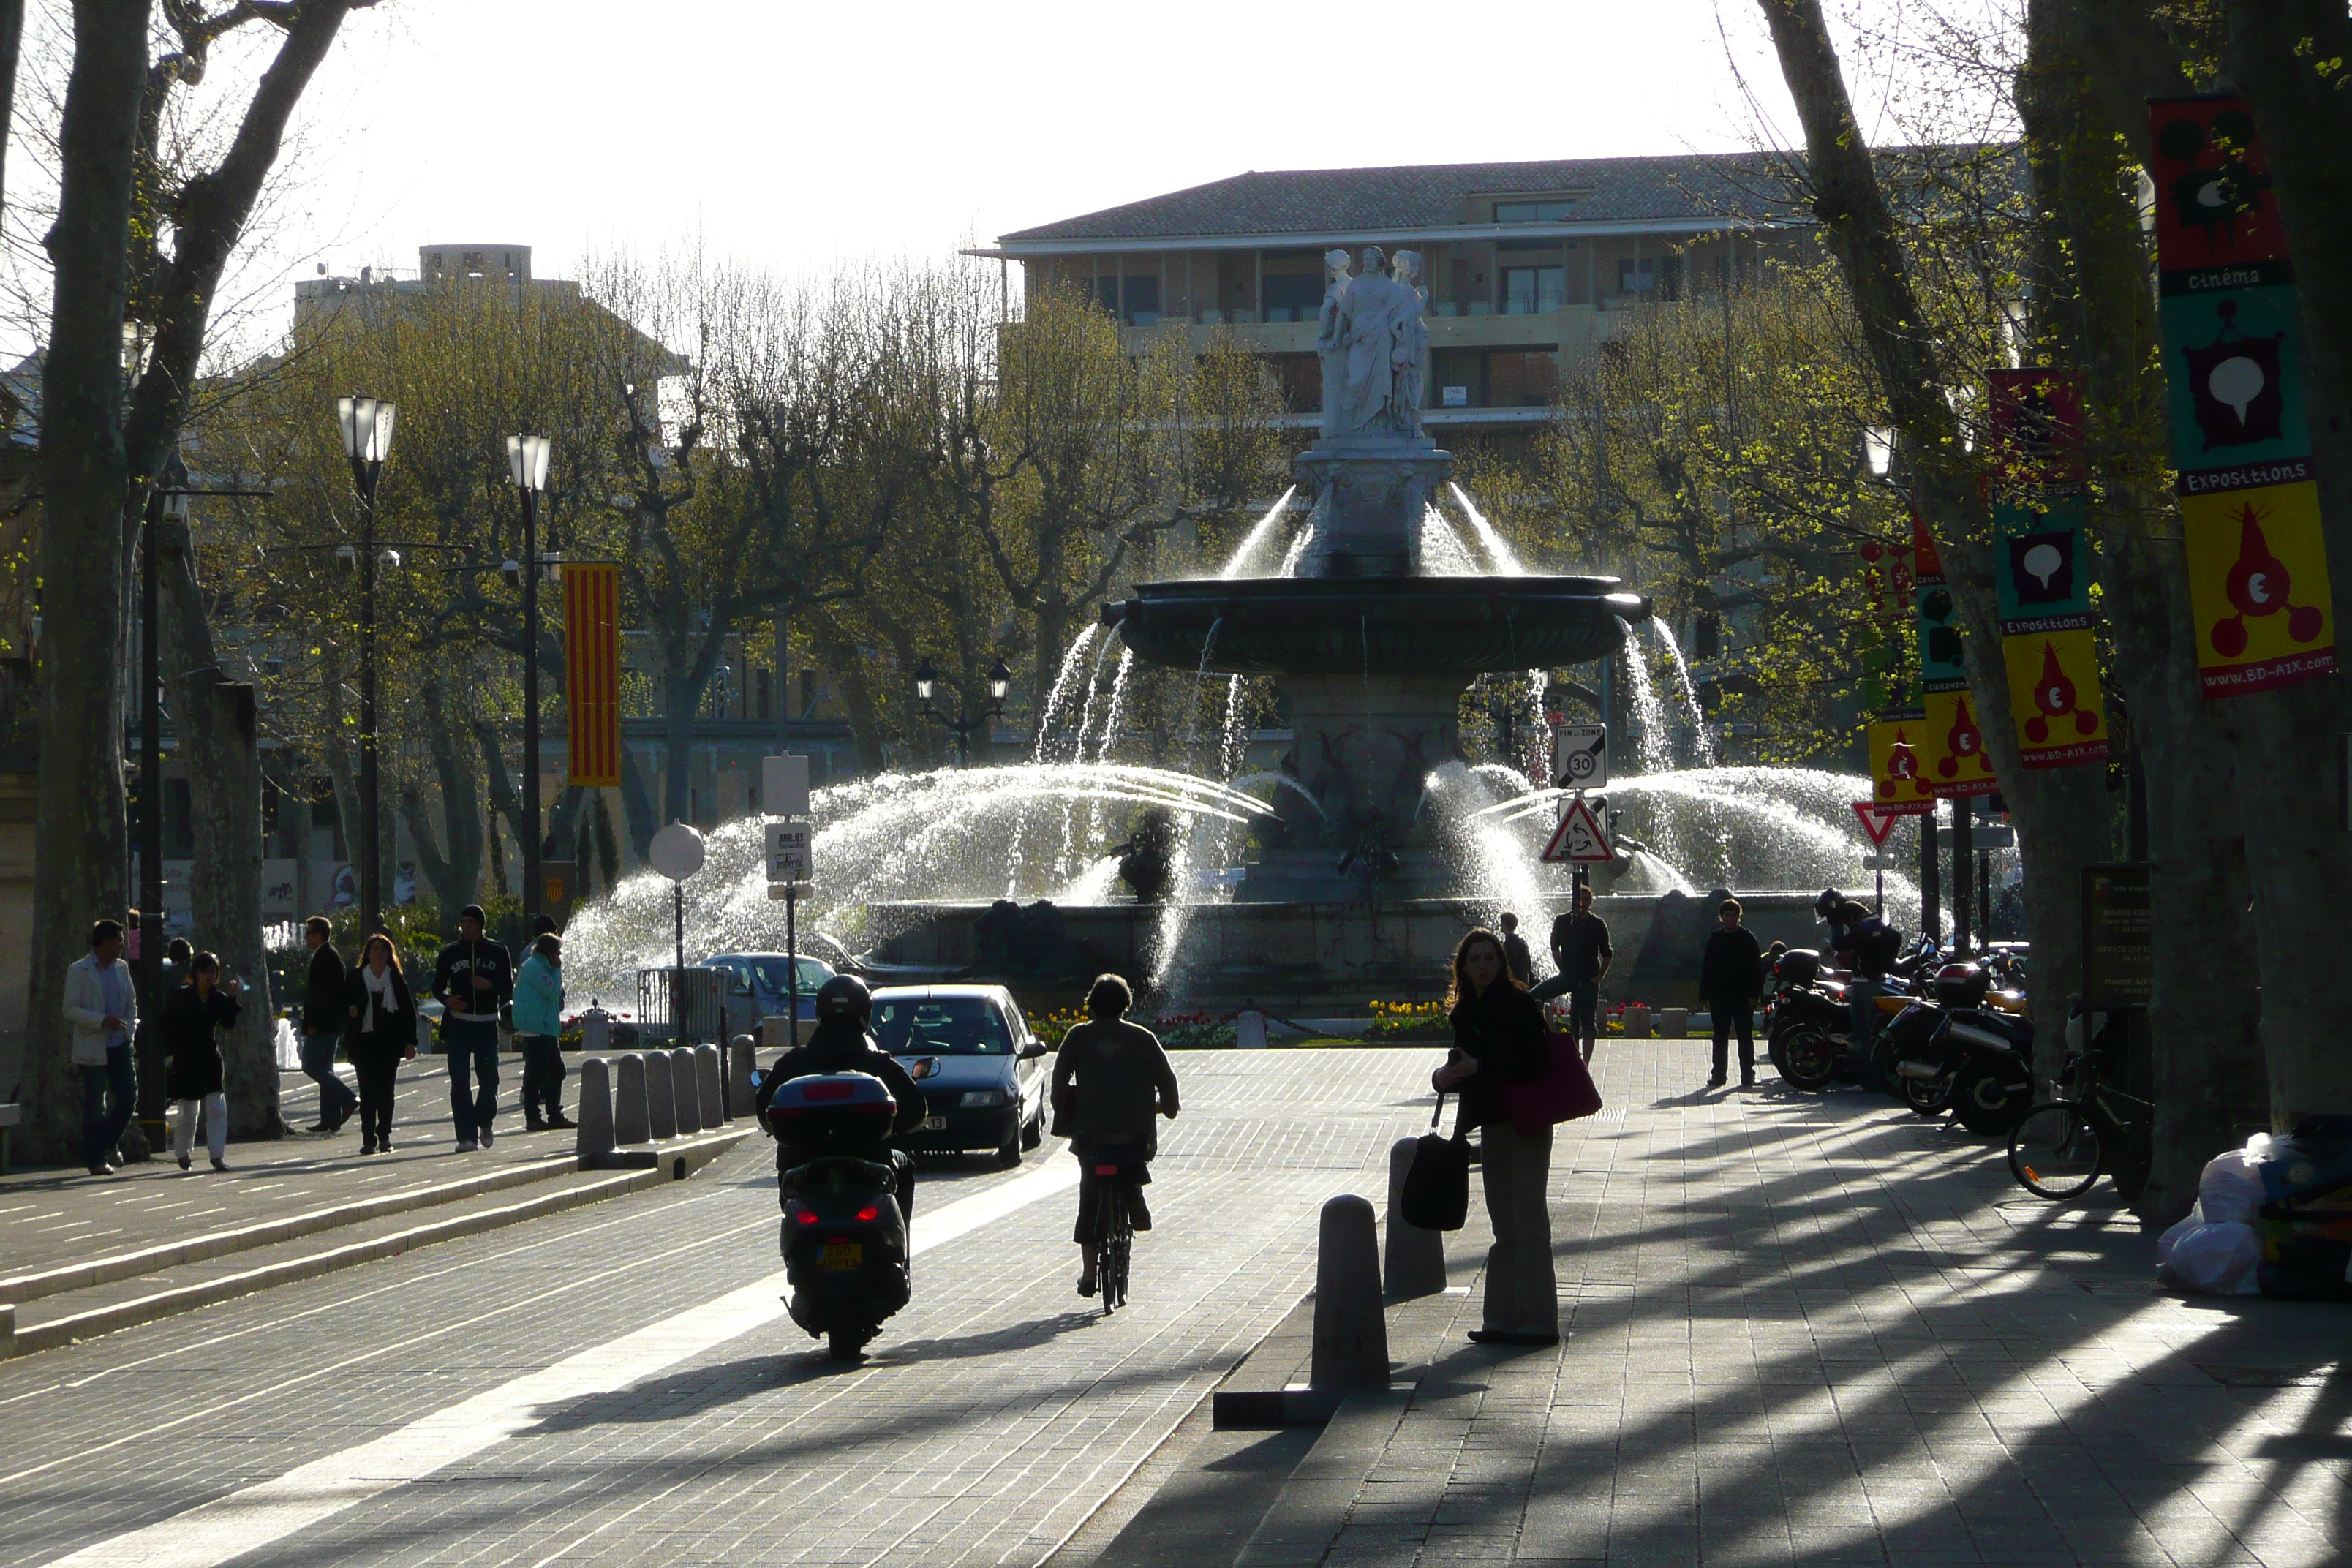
(1874,944)
(470,978)
(1730,973)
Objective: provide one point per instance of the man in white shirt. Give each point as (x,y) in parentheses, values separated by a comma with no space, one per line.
(103,1007)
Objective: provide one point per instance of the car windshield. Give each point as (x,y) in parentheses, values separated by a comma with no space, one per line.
(941,1025)
(775,974)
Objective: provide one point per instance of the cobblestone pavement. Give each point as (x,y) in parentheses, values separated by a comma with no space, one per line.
(997,1412)
(1816,1330)
(50,1218)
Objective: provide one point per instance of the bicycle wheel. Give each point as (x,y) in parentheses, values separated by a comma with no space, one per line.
(1121,1242)
(2054,1152)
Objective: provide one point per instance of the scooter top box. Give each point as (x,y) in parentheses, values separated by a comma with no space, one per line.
(832,1111)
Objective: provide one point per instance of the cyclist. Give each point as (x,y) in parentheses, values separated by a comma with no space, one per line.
(1110,1078)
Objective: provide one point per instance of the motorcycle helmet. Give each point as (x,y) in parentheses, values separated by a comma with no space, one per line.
(844,996)
(1826,905)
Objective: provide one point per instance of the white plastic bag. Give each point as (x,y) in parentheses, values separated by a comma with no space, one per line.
(2216,1249)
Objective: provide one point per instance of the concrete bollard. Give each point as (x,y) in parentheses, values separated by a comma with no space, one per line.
(1351,1331)
(711,1075)
(742,1058)
(632,1117)
(685,1091)
(595,1140)
(661,1096)
(1414,1264)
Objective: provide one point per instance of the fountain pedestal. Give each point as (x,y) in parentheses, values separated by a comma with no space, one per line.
(1371,493)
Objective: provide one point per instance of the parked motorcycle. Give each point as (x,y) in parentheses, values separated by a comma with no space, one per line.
(1806,1022)
(843,1236)
(1955,1048)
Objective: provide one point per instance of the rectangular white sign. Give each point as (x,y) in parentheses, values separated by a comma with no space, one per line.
(791,852)
(783,786)
(1580,756)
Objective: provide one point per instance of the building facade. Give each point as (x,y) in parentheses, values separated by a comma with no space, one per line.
(1527,267)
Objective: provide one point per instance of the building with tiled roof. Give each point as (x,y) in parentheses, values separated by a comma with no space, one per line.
(1527,265)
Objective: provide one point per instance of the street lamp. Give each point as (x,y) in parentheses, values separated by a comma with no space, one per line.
(1878,447)
(367,441)
(527,463)
(168,502)
(927,684)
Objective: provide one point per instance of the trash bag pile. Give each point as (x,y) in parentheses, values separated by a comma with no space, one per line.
(2274,1218)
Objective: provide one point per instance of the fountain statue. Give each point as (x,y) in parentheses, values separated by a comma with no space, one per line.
(1370,653)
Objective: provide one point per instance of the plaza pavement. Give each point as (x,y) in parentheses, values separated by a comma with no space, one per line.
(1798,1330)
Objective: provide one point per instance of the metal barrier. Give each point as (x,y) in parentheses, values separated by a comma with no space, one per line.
(683,1006)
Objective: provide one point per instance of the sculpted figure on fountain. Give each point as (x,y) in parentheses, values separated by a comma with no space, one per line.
(1327,344)
(1377,333)
(1411,353)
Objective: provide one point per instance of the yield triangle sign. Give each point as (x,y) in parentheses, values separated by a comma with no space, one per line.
(1876,820)
(1578,837)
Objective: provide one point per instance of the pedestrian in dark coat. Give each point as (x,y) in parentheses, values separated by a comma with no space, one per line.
(322,1025)
(381,1034)
(193,1015)
(1499,1037)
(1730,977)
(1112,1082)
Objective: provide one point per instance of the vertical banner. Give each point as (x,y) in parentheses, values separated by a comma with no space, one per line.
(2233,327)
(1951,747)
(2054,694)
(1941,666)
(1888,599)
(2043,572)
(1896,783)
(591,671)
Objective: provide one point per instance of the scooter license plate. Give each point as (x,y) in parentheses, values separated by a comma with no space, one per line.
(935,1123)
(841,1255)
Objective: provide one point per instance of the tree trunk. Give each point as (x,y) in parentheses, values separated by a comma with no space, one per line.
(222,754)
(2061,814)
(12,37)
(456,875)
(2205,1018)
(79,855)
(854,688)
(636,804)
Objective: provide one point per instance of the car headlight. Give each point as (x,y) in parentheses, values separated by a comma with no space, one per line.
(981,1098)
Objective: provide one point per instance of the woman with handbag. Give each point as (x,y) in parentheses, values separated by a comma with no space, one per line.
(1499,1038)
(382,1035)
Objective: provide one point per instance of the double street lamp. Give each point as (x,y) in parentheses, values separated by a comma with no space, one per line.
(527,463)
(367,425)
(926,683)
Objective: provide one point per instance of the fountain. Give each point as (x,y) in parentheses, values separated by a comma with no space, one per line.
(1348,872)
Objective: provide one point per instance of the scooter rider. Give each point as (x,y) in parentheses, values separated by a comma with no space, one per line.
(842,1041)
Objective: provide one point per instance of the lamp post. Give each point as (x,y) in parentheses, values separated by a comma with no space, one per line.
(926,683)
(527,462)
(367,441)
(169,501)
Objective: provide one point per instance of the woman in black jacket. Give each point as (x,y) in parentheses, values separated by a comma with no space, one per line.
(382,1034)
(1499,1037)
(192,1015)
(1111,1084)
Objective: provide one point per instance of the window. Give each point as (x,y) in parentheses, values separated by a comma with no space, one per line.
(1637,276)
(760,685)
(1292,296)
(1301,377)
(1550,209)
(941,1025)
(1142,301)
(1522,378)
(1533,290)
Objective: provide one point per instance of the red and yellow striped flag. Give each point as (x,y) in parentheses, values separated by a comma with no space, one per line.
(591,671)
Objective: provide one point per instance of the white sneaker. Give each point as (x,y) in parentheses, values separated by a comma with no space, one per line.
(485,1137)
(465,1145)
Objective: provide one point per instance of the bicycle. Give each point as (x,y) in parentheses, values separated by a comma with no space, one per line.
(2066,1144)
(1113,1234)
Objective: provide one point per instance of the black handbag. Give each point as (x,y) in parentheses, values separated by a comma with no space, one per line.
(1436,1194)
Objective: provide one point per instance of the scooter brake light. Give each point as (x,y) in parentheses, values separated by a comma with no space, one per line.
(828,1091)
(1106,1170)
(806,1217)
(869,1213)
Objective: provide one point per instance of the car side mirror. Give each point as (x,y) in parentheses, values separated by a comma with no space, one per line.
(1032,1051)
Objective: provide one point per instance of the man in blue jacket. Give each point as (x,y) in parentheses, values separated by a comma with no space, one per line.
(472,976)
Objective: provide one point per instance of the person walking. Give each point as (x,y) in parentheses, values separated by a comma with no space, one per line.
(1580,946)
(103,1008)
(1516,956)
(1498,1038)
(539,1024)
(322,1025)
(1730,975)
(1112,1080)
(194,1016)
(470,978)
(379,1017)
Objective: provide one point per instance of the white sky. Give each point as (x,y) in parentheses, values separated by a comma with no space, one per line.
(794,135)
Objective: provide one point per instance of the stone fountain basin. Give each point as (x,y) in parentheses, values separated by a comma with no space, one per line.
(1391,626)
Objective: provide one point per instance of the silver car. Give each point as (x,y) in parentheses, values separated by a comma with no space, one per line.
(986,1089)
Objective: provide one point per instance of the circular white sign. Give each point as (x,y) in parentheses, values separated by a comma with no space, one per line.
(675,851)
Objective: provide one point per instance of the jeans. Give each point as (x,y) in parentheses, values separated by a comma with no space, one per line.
(378,1070)
(1583,1005)
(1729,1013)
(335,1096)
(543,1075)
(215,1109)
(473,1049)
(101,1128)
(1522,1296)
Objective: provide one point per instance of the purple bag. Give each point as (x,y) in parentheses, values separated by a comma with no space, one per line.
(1564,1093)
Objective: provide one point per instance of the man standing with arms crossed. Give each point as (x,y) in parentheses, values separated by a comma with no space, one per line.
(1580,945)
(470,978)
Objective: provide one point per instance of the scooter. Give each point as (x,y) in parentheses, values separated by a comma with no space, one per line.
(1952,1049)
(843,1236)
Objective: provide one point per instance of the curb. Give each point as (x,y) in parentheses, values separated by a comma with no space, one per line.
(678,1160)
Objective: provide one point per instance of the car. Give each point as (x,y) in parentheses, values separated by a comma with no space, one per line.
(761,977)
(986,1088)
